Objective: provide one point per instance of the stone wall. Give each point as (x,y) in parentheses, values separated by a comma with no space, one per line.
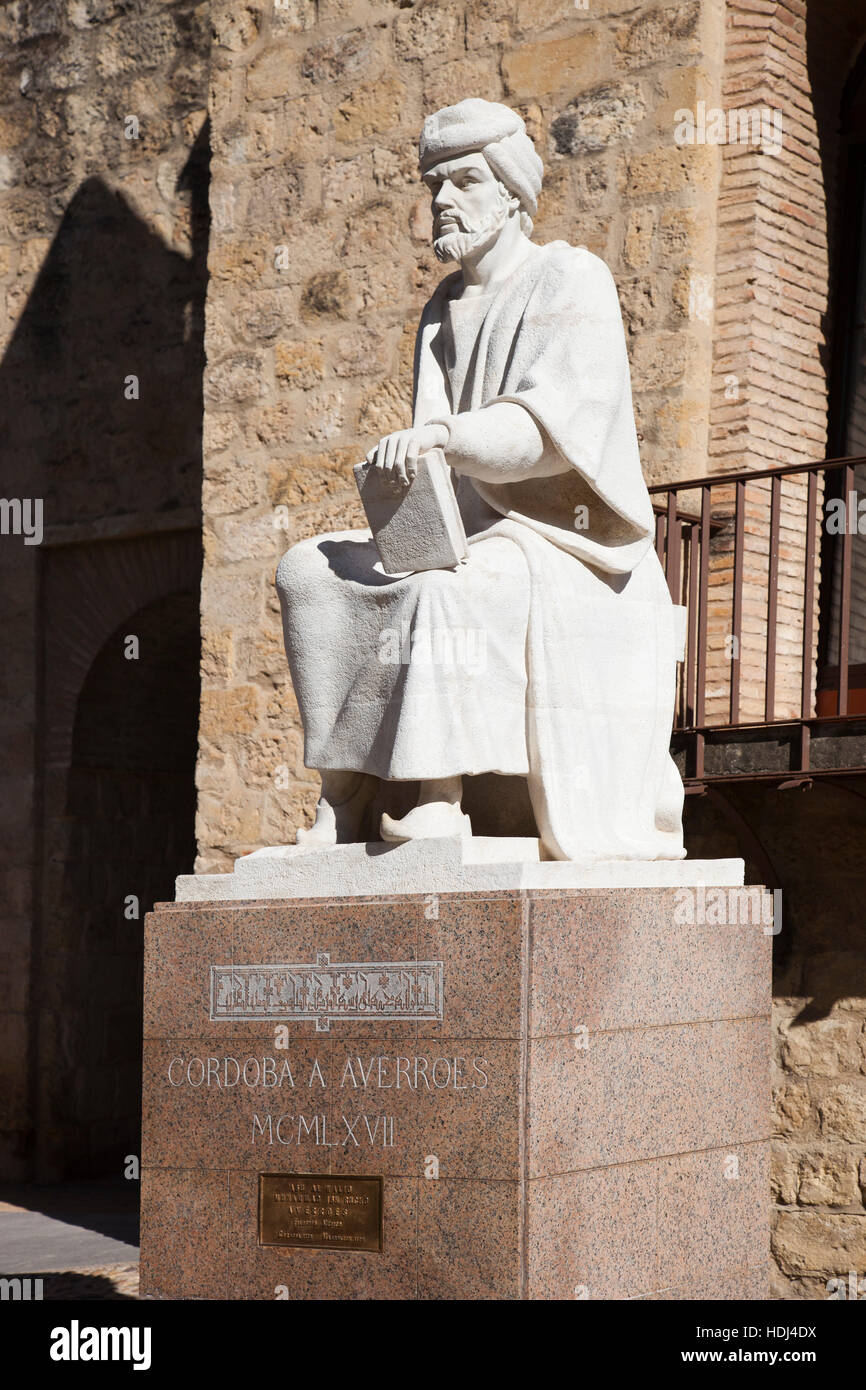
(320,263)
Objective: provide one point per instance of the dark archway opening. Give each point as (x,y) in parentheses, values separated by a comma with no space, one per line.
(131,819)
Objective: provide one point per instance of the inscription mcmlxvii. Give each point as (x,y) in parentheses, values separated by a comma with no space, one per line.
(328,991)
(320,1213)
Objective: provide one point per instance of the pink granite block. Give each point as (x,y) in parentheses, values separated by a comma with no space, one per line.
(185,1218)
(621,959)
(179,949)
(469,1236)
(734,1286)
(593,1235)
(712,1212)
(644,1093)
(480,942)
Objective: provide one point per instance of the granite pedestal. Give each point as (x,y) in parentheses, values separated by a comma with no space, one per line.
(564,1092)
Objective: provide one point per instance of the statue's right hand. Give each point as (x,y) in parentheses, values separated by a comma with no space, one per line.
(397,454)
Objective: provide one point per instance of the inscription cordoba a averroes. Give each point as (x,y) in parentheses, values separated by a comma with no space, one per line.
(328,991)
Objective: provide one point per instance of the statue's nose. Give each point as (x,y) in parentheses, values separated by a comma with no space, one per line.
(444,198)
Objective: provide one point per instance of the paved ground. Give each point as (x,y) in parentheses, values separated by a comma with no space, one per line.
(80,1238)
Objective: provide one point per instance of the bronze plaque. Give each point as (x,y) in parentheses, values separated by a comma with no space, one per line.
(320,1213)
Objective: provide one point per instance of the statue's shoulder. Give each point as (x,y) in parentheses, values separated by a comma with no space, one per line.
(574,273)
(561,258)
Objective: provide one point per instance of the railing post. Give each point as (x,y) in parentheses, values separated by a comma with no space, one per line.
(674,528)
(808,620)
(845,603)
(773,599)
(689,714)
(703,604)
(737,605)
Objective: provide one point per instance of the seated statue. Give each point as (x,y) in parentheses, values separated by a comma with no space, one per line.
(565,673)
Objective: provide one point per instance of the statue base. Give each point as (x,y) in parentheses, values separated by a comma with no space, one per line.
(474,864)
(513,1094)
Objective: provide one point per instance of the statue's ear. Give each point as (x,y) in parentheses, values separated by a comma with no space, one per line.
(514,204)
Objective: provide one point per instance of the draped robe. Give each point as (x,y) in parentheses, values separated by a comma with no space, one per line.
(573,684)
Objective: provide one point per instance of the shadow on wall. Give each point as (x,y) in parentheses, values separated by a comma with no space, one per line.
(111,302)
(89,729)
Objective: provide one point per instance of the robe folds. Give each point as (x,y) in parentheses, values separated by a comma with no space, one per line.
(573,684)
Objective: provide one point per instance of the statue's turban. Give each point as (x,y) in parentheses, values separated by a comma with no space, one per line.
(497,132)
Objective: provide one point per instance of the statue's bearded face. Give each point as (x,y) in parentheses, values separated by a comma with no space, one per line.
(470,206)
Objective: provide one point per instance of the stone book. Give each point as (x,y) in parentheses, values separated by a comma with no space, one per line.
(415,528)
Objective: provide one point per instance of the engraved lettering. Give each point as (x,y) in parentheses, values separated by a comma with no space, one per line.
(306,1128)
(441,1061)
(351,1130)
(348,1071)
(257,1125)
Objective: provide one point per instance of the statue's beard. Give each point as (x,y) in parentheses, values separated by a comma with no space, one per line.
(467,237)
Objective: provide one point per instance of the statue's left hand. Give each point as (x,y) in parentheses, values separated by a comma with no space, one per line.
(397,454)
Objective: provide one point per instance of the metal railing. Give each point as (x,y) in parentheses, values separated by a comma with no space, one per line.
(722,537)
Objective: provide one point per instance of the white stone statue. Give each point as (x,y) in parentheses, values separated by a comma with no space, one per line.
(550,654)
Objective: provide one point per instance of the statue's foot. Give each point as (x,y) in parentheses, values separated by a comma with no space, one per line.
(433,822)
(437,815)
(339,810)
